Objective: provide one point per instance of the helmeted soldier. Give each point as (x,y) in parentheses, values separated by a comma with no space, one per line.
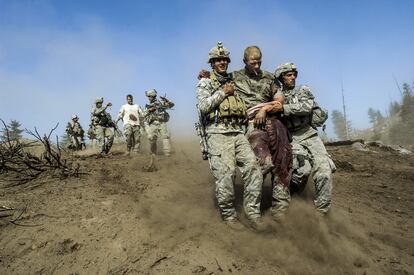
(224,117)
(75,133)
(155,119)
(132,116)
(102,123)
(266,133)
(310,155)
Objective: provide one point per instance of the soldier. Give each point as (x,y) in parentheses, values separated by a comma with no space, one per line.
(131,115)
(156,118)
(102,123)
(76,134)
(266,133)
(310,155)
(224,116)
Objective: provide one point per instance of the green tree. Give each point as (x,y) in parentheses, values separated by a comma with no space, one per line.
(340,125)
(14,131)
(372,114)
(64,141)
(407,105)
(375,117)
(394,108)
(402,132)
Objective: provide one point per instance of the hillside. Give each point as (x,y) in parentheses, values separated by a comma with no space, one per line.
(122,220)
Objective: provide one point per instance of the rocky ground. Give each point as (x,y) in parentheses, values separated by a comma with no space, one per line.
(122,220)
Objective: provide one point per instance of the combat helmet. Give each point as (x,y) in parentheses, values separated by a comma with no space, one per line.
(74,117)
(218,52)
(151,92)
(99,100)
(284,68)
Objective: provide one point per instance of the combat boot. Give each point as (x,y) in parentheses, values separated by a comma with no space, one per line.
(257,224)
(234,224)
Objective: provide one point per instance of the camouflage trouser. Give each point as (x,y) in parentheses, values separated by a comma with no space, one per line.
(77,142)
(155,130)
(133,136)
(311,158)
(226,151)
(105,138)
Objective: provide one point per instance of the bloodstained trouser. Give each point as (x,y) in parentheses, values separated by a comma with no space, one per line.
(226,151)
(133,135)
(158,129)
(273,144)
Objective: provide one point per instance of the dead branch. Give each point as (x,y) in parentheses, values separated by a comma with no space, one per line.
(19,166)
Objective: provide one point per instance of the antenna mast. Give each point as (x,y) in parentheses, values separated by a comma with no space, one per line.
(398,85)
(344,110)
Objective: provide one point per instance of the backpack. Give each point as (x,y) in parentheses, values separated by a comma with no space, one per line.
(318,115)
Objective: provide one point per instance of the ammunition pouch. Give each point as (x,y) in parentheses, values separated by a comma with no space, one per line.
(232,110)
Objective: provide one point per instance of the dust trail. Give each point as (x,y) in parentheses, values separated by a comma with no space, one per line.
(303,243)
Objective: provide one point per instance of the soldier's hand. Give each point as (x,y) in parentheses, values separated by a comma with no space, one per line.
(275,107)
(203,74)
(260,118)
(109,104)
(228,89)
(152,109)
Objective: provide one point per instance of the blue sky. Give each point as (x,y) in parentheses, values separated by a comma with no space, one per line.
(57,56)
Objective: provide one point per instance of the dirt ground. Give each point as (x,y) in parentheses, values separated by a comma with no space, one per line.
(122,220)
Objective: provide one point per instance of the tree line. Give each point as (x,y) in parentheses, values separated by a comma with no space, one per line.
(396,127)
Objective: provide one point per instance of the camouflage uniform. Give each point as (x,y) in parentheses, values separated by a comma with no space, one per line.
(156,118)
(102,123)
(228,148)
(310,155)
(255,89)
(76,134)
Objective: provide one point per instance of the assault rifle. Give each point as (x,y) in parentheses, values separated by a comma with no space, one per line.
(201,132)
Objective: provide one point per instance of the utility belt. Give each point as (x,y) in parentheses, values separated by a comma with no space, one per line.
(229,121)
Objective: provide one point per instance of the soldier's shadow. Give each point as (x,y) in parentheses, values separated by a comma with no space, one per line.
(267,188)
(266,201)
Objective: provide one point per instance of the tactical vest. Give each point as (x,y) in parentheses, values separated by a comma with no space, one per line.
(160,114)
(231,110)
(104,120)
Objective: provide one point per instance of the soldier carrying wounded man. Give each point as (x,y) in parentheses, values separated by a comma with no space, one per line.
(223,115)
